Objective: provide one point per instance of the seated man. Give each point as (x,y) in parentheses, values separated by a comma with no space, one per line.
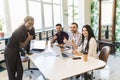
(59,36)
(27,48)
(75,38)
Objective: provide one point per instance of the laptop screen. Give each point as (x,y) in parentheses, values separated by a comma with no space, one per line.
(38,45)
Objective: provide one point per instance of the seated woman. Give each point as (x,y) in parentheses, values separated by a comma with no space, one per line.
(89,43)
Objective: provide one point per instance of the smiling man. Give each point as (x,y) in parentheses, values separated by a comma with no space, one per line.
(76,37)
(59,36)
(19,39)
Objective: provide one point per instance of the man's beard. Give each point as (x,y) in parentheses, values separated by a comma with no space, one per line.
(74,31)
(59,32)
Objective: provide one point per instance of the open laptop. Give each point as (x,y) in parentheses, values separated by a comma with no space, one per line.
(64,54)
(38,45)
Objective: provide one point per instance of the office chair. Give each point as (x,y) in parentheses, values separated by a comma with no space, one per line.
(104,54)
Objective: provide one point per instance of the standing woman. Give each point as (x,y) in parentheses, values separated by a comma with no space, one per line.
(19,39)
(89,43)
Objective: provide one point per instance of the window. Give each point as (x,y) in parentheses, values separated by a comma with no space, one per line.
(47,15)
(107,14)
(2,16)
(57,14)
(73,10)
(17,12)
(35,11)
(57,11)
(47,1)
(57,1)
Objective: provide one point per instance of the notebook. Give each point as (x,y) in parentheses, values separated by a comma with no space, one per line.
(38,45)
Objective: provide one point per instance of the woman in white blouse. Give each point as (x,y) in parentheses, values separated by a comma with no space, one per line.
(89,43)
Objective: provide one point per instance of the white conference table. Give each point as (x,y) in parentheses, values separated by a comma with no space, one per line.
(57,68)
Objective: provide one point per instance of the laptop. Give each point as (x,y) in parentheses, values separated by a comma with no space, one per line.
(64,54)
(38,45)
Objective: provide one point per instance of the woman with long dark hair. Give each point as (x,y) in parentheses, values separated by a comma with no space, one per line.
(89,43)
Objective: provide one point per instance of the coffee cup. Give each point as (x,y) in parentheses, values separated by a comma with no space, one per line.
(85,56)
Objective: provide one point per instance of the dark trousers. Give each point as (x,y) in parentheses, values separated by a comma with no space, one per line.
(27,49)
(22,51)
(13,64)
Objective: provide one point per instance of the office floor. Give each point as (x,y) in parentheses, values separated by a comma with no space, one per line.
(111,72)
(27,75)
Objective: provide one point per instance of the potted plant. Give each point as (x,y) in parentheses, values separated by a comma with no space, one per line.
(1,26)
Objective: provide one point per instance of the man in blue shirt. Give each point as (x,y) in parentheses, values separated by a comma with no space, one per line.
(59,36)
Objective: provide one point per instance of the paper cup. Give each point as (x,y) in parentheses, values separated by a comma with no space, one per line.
(85,56)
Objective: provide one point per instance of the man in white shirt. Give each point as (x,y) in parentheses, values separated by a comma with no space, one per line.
(74,39)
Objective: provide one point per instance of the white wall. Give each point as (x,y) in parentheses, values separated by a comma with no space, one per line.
(81,14)
(87,12)
(65,18)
